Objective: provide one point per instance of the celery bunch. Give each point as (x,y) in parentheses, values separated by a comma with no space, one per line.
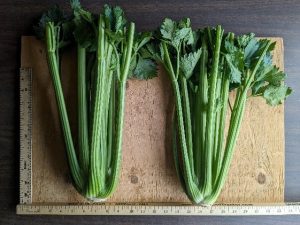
(107,54)
(204,66)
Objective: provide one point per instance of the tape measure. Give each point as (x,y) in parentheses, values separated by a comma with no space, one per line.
(25,135)
(215,210)
(26,206)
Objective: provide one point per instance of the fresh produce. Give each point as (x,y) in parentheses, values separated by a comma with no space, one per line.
(204,66)
(107,55)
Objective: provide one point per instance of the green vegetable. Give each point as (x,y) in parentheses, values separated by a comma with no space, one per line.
(108,52)
(203,66)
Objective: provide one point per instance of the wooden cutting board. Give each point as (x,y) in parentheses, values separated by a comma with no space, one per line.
(148,174)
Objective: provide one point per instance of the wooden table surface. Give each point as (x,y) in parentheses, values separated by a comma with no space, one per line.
(265,18)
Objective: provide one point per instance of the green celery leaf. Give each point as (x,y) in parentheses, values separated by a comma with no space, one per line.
(148,51)
(189,37)
(142,39)
(84,35)
(120,20)
(81,13)
(183,34)
(145,69)
(67,29)
(270,76)
(188,63)
(268,79)
(275,78)
(275,95)
(84,31)
(151,51)
(250,50)
(253,56)
(108,14)
(229,46)
(235,74)
(235,62)
(244,40)
(168,29)
(175,33)
(114,19)
(258,88)
(185,22)
(55,15)
(145,53)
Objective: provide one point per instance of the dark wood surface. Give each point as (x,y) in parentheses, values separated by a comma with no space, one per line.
(265,18)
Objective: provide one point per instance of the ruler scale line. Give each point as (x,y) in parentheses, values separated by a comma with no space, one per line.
(215,210)
(25,135)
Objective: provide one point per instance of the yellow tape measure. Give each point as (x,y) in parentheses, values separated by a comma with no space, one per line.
(25,134)
(216,210)
(26,206)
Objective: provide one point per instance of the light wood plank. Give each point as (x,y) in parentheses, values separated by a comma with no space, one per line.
(148,174)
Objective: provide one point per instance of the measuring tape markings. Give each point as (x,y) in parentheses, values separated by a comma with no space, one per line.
(215,210)
(25,135)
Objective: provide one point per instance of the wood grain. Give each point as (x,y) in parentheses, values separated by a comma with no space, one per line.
(148,174)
